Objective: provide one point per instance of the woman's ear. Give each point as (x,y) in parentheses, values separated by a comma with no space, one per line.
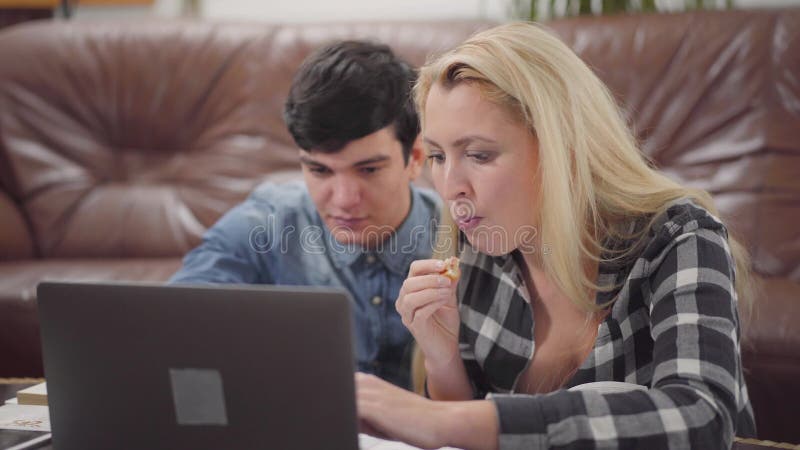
(416,159)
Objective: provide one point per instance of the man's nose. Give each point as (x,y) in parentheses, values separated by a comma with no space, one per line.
(346,193)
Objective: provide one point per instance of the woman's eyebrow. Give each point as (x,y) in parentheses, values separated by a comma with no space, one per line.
(463,141)
(430,142)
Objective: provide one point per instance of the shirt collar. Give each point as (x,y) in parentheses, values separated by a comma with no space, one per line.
(411,241)
(343,255)
(610,274)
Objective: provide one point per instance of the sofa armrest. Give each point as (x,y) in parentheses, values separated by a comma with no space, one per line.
(15,238)
(771,359)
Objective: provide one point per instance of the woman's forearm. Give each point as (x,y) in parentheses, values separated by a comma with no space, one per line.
(448,382)
(472,425)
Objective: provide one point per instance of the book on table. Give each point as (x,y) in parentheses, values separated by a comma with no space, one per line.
(34,395)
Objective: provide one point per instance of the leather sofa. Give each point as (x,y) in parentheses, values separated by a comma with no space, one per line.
(120,143)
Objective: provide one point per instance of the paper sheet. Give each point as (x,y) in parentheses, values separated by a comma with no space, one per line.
(366,442)
(37,418)
(24,417)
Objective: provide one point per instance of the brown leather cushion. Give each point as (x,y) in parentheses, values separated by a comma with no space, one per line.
(771,357)
(715,99)
(20,345)
(130,138)
(15,239)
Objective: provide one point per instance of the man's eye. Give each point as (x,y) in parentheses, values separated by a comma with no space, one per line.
(369,170)
(319,170)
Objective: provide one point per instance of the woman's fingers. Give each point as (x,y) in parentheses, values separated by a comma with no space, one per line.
(371,392)
(411,303)
(366,427)
(425,312)
(420,282)
(426,267)
(424,274)
(366,404)
(390,412)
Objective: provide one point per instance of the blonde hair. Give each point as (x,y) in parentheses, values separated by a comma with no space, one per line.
(597,179)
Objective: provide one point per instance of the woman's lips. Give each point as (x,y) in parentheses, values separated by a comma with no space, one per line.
(468,224)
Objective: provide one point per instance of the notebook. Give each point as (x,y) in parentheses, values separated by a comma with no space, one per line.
(132,366)
(34,395)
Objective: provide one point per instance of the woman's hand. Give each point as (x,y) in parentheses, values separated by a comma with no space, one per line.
(428,307)
(389,412)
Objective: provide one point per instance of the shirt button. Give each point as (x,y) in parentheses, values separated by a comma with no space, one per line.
(377,300)
(370,259)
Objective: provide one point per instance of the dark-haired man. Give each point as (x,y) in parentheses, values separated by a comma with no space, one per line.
(356,222)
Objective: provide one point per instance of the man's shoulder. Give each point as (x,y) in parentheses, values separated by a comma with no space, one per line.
(280,204)
(430,199)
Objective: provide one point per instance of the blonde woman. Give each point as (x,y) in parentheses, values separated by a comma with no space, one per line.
(582,264)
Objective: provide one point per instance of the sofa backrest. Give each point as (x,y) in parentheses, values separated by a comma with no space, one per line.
(715,99)
(130,139)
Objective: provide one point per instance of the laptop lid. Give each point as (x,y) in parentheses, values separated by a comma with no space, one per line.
(202,367)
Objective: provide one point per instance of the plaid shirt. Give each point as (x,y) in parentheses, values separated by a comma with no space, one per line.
(673,327)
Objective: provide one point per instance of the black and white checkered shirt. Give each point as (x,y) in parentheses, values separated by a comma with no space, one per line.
(673,328)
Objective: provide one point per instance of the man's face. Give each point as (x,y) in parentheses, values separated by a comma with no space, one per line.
(361,192)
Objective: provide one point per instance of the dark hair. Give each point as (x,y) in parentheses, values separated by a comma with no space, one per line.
(348,90)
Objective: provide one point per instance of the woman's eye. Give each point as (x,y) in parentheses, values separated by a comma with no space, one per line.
(480,157)
(436,157)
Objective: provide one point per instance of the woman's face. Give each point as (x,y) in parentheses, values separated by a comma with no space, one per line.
(484,164)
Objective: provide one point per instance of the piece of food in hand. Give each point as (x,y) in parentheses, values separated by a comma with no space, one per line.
(451,269)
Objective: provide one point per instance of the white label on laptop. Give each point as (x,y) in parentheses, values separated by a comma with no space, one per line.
(198,396)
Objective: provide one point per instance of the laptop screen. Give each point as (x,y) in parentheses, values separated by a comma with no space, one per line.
(151,366)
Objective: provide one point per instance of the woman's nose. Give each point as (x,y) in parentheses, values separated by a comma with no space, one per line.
(455,184)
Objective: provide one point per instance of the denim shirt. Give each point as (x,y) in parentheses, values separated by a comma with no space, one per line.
(277,237)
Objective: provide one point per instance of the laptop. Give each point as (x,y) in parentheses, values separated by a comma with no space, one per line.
(135,366)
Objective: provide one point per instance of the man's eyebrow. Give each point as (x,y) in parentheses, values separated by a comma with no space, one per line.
(373,160)
(463,141)
(310,162)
